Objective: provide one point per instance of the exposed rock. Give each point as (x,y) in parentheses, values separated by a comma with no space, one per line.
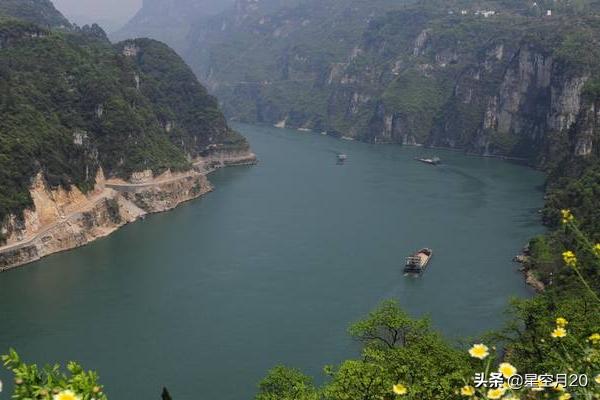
(64,219)
(533,281)
(420,42)
(161,197)
(130,50)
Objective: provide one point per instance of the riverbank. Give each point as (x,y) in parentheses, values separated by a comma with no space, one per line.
(66,219)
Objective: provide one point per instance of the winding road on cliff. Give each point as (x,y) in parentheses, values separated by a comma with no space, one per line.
(93,201)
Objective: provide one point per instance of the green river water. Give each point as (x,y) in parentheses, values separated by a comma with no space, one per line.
(274,265)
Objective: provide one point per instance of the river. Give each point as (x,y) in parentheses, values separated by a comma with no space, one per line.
(275,264)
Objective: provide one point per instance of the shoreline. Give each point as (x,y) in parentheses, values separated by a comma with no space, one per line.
(65,220)
(515,160)
(528,274)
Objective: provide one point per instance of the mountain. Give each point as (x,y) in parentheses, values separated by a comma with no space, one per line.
(76,110)
(169,20)
(502,77)
(277,54)
(40,12)
(495,78)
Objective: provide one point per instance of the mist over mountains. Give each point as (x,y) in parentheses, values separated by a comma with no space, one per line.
(170,20)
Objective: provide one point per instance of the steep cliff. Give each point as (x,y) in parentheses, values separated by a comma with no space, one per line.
(72,105)
(65,218)
(503,78)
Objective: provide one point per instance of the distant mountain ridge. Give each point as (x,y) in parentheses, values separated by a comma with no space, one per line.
(169,20)
(40,12)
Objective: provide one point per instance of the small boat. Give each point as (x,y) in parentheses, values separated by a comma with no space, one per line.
(342,157)
(417,262)
(430,161)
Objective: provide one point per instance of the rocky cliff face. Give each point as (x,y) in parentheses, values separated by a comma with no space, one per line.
(530,113)
(504,93)
(500,79)
(62,219)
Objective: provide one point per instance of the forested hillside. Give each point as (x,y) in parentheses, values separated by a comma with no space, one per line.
(41,12)
(72,102)
(497,78)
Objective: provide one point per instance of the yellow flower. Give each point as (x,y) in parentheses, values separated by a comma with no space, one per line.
(559,333)
(597,379)
(567,216)
(467,391)
(597,249)
(496,393)
(400,389)
(594,338)
(507,370)
(560,321)
(564,396)
(480,351)
(538,386)
(570,258)
(66,395)
(558,387)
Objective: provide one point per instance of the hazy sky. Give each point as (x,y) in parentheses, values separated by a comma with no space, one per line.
(98,10)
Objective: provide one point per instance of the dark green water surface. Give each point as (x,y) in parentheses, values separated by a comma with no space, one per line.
(273,266)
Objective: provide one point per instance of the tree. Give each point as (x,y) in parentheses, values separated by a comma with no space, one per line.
(389,326)
(284,383)
(33,382)
(357,379)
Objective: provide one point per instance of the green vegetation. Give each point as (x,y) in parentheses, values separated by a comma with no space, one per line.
(403,358)
(51,382)
(286,384)
(276,67)
(39,12)
(575,186)
(417,99)
(441,87)
(72,103)
(433,67)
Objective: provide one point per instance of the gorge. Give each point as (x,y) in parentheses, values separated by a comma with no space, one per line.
(497,78)
(275,261)
(502,78)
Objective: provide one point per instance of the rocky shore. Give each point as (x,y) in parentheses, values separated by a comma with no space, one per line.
(65,219)
(530,277)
